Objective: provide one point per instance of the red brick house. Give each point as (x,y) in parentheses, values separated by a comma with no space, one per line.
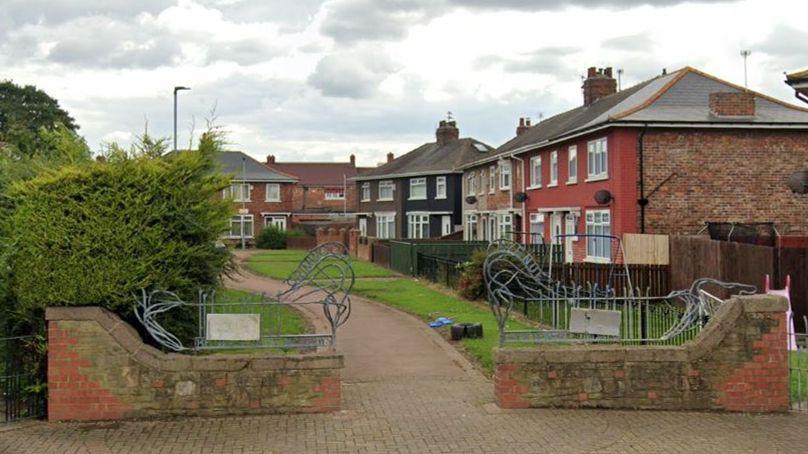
(262,196)
(322,193)
(665,156)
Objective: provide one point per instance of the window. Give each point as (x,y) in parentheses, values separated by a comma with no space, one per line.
(418,226)
(505,225)
(492,179)
(279,222)
(335,194)
(553,168)
(505,175)
(535,172)
(471,227)
(239,192)
(597,160)
(385,226)
(363,226)
(386,189)
(572,168)
(366,192)
(598,248)
(536,228)
(273,192)
(470,184)
(481,187)
(440,187)
(239,221)
(417,188)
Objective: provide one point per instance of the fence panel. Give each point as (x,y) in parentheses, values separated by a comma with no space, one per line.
(381,253)
(439,269)
(654,279)
(794,262)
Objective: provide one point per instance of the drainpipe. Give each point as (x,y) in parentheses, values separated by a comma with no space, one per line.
(522,165)
(642,201)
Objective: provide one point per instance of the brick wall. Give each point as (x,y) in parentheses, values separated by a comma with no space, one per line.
(724,176)
(333,235)
(732,104)
(312,199)
(738,363)
(99,369)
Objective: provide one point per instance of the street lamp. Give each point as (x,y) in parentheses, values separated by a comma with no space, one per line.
(176,89)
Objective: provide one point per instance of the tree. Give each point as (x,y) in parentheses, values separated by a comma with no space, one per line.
(24,113)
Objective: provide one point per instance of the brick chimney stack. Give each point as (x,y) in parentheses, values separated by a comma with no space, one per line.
(524,125)
(271,159)
(353,160)
(447,132)
(598,83)
(390,157)
(732,104)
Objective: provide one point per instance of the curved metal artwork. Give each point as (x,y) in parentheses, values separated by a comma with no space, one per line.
(701,305)
(324,277)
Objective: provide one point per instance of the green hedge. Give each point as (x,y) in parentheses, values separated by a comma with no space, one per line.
(95,234)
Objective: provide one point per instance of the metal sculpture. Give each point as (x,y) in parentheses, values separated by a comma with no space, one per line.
(325,277)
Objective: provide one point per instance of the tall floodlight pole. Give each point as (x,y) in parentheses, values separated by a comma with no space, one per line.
(745,54)
(176,89)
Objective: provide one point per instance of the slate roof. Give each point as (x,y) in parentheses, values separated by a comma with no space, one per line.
(430,158)
(231,162)
(317,173)
(678,97)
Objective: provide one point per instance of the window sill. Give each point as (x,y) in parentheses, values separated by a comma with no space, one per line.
(440,198)
(598,178)
(365,200)
(273,200)
(507,188)
(384,200)
(552,185)
(597,259)
(570,183)
(533,188)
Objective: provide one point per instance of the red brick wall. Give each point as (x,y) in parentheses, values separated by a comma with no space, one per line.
(258,203)
(312,198)
(732,104)
(724,176)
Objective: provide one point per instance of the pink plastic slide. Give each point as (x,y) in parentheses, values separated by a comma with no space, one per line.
(785,292)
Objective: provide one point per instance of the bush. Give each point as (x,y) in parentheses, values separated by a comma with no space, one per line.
(271,237)
(95,234)
(471,285)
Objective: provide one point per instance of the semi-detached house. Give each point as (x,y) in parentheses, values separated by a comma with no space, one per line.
(664,156)
(417,195)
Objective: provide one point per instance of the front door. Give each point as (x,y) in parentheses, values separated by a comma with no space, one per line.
(570,232)
(363,226)
(555,227)
(446,225)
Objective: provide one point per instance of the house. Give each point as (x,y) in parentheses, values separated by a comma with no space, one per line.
(491,207)
(322,194)
(665,156)
(418,195)
(799,82)
(262,196)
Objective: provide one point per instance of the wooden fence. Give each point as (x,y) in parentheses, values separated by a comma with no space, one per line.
(380,254)
(654,279)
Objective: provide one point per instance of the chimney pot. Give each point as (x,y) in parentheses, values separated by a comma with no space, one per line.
(524,125)
(447,132)
(598,84)
(527,121)
(608,71)
(390,157)
(353,160)
(271,159)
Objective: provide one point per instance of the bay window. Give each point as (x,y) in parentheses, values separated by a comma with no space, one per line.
(385,226)
(418,226)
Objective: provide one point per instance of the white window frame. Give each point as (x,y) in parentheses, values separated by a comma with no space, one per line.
(267,198)
(572,164)
(505,175)
(505,224)
(363,226)
(471,219)
(386,184)
(365,192)
(271,221)
(385,226)
(334,194)
(420,184)
(238,197)
(481,188)
(535,172)
(492,179)
(597,159)
(470,183)
(417,226)
(598,249)
(440,187)
(553,168)
(446,225)
(240,218)
(536,219)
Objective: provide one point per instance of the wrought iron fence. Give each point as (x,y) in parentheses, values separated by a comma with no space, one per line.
(798,363)
(319,288)
(22,377)
(439,269)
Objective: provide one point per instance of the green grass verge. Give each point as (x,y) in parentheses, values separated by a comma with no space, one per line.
(428,304)
(279,264)
(798,376)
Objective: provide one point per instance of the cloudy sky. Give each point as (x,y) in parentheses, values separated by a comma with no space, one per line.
(318,80)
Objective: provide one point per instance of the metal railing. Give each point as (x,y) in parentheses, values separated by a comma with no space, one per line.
(798,363)
(439,270)
(22,378)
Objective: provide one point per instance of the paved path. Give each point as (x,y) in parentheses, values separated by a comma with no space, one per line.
(406,390)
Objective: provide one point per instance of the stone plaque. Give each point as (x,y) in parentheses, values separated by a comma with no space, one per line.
(595,321)
(233,327)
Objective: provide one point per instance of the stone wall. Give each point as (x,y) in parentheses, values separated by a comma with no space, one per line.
(99,369)
(738,362)
(332,235)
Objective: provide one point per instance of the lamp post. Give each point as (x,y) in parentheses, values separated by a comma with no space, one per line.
(745,54)
(176,89)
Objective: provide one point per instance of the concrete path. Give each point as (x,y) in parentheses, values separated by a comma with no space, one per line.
(407,390)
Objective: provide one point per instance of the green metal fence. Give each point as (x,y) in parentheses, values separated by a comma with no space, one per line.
(439,270)
(404,253)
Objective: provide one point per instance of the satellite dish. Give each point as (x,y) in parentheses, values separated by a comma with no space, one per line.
(603,197)
(798,182)
(471,199)
(520,197)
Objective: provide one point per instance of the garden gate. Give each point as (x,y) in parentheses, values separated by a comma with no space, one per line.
(22,377)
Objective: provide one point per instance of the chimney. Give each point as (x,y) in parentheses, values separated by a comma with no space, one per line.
(524,125)
(732,104)
(390,157)
(353,160)
(271,159)
(598,83)
(447,132)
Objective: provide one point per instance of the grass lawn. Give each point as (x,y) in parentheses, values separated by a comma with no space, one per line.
(798,363)
(279,264)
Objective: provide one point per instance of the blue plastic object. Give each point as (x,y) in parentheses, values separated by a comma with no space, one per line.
(441,321)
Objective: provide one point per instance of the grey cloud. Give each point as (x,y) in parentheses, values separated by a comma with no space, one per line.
(640,42)
(784,41)
(245,52)
(350,75)
(54,12)
(545,60)
(292,16)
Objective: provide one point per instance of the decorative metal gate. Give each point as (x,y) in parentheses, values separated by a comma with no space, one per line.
(22,377)
(798,363)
